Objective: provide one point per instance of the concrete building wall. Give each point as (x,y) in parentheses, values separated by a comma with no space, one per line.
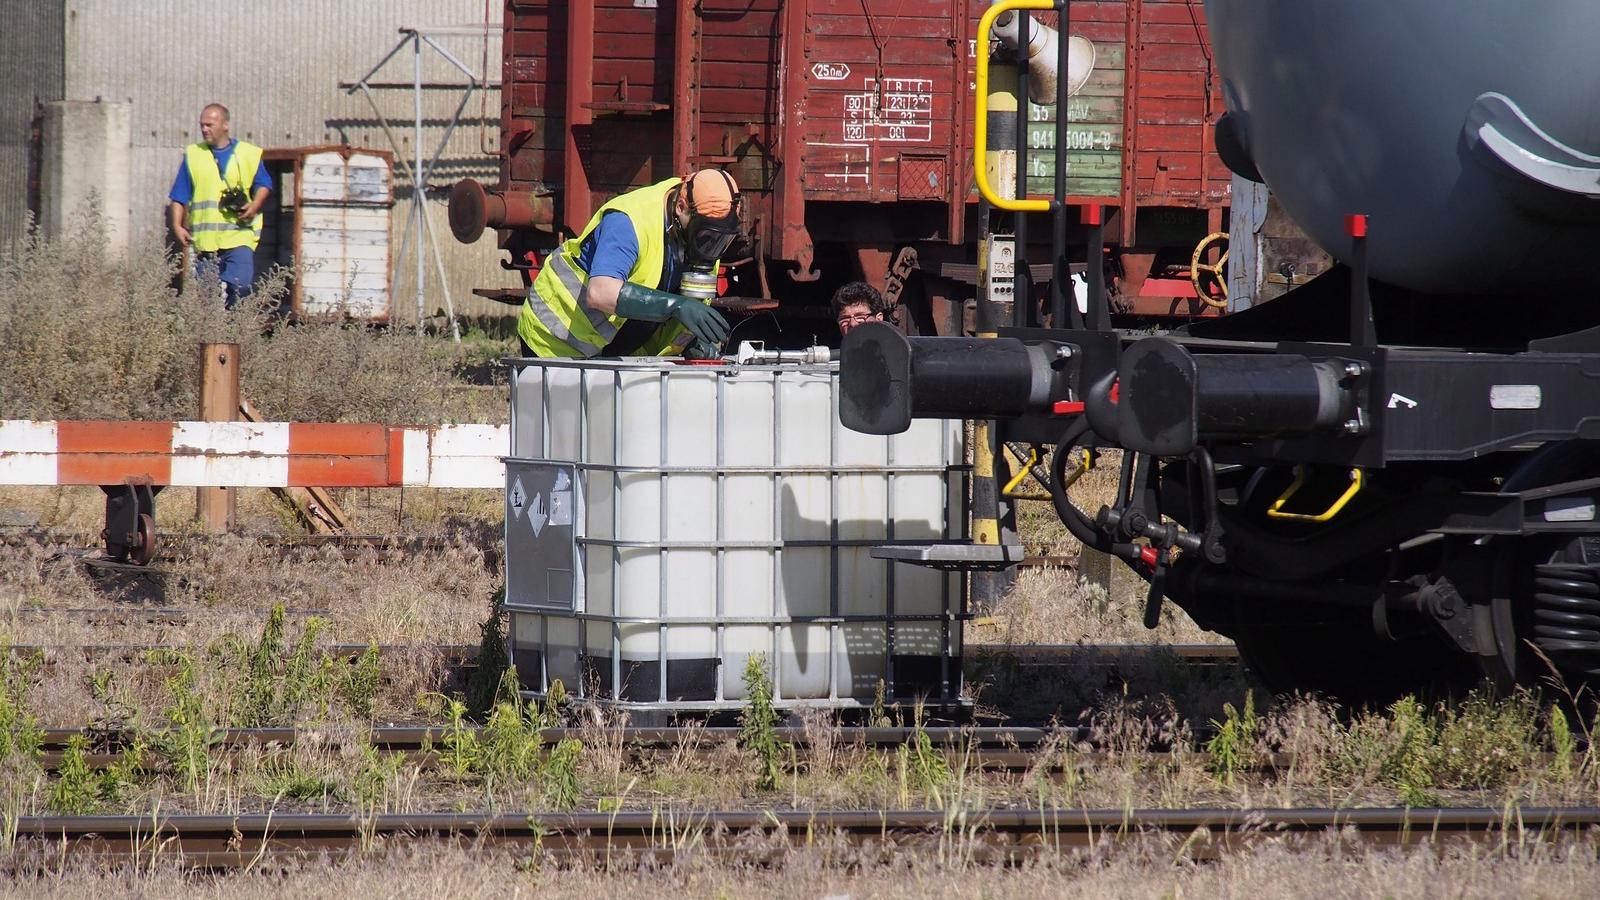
(31,71)
(278,67)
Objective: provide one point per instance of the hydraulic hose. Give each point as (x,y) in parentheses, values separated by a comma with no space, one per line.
(1077,523)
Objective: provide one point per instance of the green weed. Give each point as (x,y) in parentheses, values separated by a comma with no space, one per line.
(375,773)
(510,744)
(493,657)
(460,750)
(20,733)
(76,789)
(79,788)
(562,788)
(187,740)
(1563,743)
(1409,766)
(283,777)
(360,686)
(758,725)
(923,766)
(1232,749)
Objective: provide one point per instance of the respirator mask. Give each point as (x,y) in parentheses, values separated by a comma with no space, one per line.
(706,238)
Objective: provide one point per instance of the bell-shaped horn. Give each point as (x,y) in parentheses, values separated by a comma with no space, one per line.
(1042,52)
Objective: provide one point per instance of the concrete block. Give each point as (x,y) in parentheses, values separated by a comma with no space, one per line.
(88,156)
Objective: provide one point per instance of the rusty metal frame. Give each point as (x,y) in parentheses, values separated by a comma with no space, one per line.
(958,175)
(1128,211)
(576,197)
(686,85)
(793,239)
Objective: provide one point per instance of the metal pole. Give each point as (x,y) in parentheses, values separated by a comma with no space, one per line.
(1363,333)
(1062,302)
(1022,305)
(420,184)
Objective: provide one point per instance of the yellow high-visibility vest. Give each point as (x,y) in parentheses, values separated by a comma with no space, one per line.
(554,324)
(212,228)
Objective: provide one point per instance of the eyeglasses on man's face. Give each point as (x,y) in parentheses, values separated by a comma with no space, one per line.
(858,318)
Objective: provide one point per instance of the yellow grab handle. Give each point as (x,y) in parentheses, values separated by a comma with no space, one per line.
(980,137)
(1275,511)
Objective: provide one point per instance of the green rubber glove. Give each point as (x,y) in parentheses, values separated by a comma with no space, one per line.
(702,350)
(635,301)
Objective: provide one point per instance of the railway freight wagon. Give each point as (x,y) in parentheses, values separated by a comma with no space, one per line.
(848,125)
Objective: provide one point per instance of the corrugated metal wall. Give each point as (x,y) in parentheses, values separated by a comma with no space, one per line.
(30,70)
(277,66)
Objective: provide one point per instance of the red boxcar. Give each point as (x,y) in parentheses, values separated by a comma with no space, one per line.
(849,125)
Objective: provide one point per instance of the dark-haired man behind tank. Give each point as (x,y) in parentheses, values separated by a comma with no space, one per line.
(855,303)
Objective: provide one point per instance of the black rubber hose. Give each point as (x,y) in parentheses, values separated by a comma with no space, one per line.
(1077,523)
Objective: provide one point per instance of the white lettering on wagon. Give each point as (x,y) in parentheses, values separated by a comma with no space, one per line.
(901,112)
(824,71)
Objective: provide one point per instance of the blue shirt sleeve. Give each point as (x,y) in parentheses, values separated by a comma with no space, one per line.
(182,186)
(263,180)
(612,249)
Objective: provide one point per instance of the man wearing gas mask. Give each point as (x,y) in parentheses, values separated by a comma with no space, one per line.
(618,289)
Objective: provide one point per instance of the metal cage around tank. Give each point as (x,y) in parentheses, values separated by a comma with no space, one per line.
(689,516)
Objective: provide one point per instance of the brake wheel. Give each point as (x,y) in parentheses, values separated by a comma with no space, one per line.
(143,548)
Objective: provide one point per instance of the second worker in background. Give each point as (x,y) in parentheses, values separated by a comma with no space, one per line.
(216,202)
(611,291)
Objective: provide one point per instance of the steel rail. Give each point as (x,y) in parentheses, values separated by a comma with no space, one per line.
(977,655)
(419,737)
(227,841)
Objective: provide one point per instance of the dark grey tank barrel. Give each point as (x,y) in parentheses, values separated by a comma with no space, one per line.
(1468,131)
(887,379)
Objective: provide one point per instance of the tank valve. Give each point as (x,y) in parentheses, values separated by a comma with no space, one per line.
(756,353)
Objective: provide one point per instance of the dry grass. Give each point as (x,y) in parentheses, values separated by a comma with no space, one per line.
(227,587)
(828,869)
(91,337)
(1058,606)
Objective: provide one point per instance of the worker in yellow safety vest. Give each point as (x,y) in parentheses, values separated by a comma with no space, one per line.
(216,202)
(611,291)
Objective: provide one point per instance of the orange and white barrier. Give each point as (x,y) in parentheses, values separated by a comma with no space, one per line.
(252,454)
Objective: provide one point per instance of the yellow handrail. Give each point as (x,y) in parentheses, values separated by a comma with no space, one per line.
(980,136)
(1275,511)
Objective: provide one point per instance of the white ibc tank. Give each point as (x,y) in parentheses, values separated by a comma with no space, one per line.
(722,511)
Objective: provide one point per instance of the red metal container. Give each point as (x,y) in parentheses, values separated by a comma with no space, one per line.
(848,123)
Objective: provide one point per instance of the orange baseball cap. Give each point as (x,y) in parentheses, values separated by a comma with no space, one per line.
(712,191)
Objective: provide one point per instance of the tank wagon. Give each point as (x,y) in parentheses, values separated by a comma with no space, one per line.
(1387,478)
(848,125)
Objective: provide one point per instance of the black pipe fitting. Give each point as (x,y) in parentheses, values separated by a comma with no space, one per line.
(1171,400)
(887,379)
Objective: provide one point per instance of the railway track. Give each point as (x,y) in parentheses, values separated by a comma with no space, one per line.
(994,749)
(231,841)
(1022,655)
(84,546)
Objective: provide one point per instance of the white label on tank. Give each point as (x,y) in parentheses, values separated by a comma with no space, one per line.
(561,500)
(1569,509)
(537,514)
(517,498)
(1515,396)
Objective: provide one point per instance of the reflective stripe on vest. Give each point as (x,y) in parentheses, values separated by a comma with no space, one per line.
(549,323)
(213,229)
